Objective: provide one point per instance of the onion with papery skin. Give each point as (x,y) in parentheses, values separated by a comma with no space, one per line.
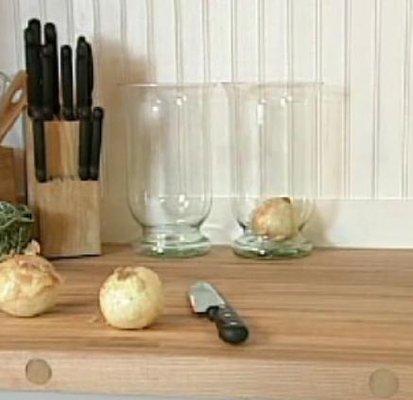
(29,285)
(276,219)
(131,298)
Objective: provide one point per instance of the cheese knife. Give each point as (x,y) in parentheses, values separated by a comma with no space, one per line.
(206,300)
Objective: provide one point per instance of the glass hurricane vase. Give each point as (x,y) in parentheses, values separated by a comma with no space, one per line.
(273,163)
(169,171)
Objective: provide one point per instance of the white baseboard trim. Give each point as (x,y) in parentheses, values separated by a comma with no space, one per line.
(362,223)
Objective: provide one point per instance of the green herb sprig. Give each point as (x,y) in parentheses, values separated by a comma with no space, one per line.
(16,225)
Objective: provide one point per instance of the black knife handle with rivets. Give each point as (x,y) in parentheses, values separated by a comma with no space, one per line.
(83,106)
(85,130)
(34,71)
(66,76)
(96,141)
(50,36)
(83,78)
(39,150)
(48,82)
(231,328)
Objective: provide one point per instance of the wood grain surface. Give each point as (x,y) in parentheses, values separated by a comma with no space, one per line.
(62,149)
(68,215)
(8,190)
(335,325)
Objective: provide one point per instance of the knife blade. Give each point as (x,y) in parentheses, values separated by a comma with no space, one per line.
(50,36)
(97,119)
(206,300)
(34,71)
(66,73)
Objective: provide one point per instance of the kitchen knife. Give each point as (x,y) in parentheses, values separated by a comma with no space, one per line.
(83,106)
(66,73)
(90,71)
(32,38)
(85,128)
(48,84)
(205,300)
(83,78)
(35,26)
(82,41)
(97,119)
(34,73)
(50,36)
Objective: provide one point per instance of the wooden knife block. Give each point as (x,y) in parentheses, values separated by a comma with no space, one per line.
(67,209)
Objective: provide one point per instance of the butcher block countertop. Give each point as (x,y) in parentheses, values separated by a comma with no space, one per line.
(335,325)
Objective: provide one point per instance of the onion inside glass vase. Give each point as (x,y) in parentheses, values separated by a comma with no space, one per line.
(274,229)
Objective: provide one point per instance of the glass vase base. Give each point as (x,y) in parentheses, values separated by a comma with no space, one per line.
(258,247)
(173,245)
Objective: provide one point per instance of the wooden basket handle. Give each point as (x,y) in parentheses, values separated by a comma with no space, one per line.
(10,107)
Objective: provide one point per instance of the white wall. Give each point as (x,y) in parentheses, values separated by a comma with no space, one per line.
(361,47)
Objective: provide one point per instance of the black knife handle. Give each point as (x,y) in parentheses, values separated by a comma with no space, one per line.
(48,84)
(50,35)
(36,27)
(67,82)
(231,328)
(83,103)
(39,150)
(85,130)
(34,73)
(90,73)
(34,67)
(97,118)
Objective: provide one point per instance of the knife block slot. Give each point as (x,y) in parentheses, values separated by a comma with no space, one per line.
(67,209)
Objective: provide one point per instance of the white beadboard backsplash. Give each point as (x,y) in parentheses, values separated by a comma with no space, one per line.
(360,49)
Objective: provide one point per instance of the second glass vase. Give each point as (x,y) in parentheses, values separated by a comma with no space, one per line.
(273,163)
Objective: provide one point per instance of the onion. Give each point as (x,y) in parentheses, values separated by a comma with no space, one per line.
(131,298)
(276,219)
(28,285)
